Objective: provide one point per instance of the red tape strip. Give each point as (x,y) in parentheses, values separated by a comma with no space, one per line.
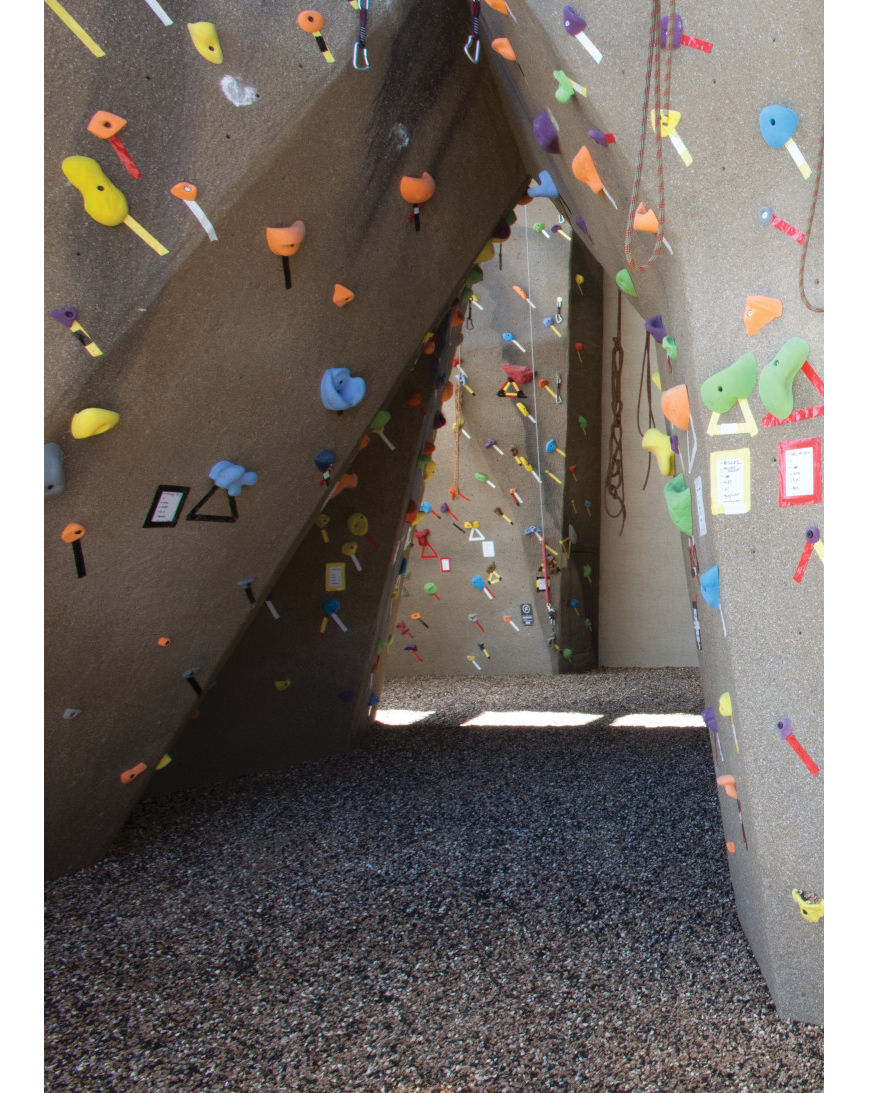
(800,415)
(799,572)
(788,229)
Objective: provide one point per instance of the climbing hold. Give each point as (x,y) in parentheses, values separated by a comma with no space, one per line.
(339,390)
(584,169)
(92,422)
(678,498)
(658,444)
(416,191)
(623,280)
(477,581)
(567,87)
(187,192)
(547,187)
(812,912)
(312,22)
(286,241)
(55,482)
(502,46)
(655,327)
(519,373)
(709,586)
(342,295)
(485,255)
(545,130)
(724,389)
(205,39)
(675,406)
(325,459)
(760,310)
(103,201)
(575,26)
(164,643)
(669,346)
(133,773)
(645,219)
(106,126)
(164,761)
(777,125)
(775,383)
(231,477)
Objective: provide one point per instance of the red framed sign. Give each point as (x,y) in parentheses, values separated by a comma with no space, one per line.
(799,472)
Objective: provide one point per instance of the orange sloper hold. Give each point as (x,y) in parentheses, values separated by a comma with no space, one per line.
(502,46)
(675,407)
(285,241)
(584,169)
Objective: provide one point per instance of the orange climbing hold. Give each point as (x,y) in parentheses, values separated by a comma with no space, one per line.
(416,191)
(645,219)
(675,408)
(342,295)
(502,46)
(105,125)
(584,169)
(310,21)
(760,310)
(285,241)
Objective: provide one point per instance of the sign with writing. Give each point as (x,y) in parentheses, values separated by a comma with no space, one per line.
(799,472)
(730,482)
(526,611)
(166,507)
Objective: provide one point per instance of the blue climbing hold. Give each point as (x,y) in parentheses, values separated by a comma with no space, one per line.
(547,187)
(777,125)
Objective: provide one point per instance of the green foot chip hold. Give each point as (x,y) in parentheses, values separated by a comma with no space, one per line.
(678,498)
(776,383)
(721,391)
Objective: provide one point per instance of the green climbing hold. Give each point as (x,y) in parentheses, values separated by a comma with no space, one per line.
(623,280)
(777,378)
(722,390)
(466,294)
(678,498)
(669,346)
(475,275)
(566,90)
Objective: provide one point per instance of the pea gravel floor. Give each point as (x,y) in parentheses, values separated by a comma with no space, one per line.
(440,910)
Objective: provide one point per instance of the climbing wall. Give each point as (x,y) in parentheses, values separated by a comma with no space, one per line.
(194,382)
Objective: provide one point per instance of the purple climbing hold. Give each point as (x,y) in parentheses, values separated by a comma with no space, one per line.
(546,132)
(655,327)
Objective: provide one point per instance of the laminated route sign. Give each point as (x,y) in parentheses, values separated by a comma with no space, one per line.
(730,482)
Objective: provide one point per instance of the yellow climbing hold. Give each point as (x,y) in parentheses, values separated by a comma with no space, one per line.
(207,43)
(92,422)
(103,201)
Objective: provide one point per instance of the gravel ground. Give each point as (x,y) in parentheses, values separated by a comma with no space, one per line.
(440,910)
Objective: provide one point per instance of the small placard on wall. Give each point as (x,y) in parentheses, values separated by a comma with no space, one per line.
(446,565)
(701,508)
(730,482)
(166,507)
(488,548)
(336,576)
(799,472)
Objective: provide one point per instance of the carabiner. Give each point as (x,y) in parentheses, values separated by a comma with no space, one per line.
(473,41)
(359,47)
(559,318)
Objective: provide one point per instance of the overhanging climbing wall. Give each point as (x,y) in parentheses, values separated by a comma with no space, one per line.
(206,356)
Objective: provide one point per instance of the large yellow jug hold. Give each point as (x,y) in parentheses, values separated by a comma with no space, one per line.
(103,201)
(92,421)
(207,43)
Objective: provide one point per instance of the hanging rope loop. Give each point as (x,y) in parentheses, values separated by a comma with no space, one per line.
(615,480)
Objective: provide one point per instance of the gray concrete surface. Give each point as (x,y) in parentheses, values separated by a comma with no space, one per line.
(206,356)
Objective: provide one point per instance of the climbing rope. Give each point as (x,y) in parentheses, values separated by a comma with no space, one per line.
(646,373)
(820,166)
(458,391)
(615,481)
(653,62)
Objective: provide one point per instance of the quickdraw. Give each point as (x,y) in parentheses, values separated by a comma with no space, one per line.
(359,50)
(472,46)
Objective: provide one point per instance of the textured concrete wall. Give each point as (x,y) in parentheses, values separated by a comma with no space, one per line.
(646,618)
(208,357)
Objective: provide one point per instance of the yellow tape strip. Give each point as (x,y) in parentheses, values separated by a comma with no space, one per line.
(135,226)
(819,549)
(77,29)
(92,346)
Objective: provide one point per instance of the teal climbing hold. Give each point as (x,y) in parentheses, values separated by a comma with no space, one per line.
(678,498)
(722,390)
(775,384)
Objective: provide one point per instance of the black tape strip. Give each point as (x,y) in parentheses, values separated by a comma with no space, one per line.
(78,554)
(194,513)
(285,262)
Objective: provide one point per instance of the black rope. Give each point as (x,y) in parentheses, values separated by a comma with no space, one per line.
(615,480)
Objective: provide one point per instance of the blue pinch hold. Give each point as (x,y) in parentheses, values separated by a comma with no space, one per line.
(547,187)
(478,581)
(777,125)
(231,477)
(339,390)
(709,587)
